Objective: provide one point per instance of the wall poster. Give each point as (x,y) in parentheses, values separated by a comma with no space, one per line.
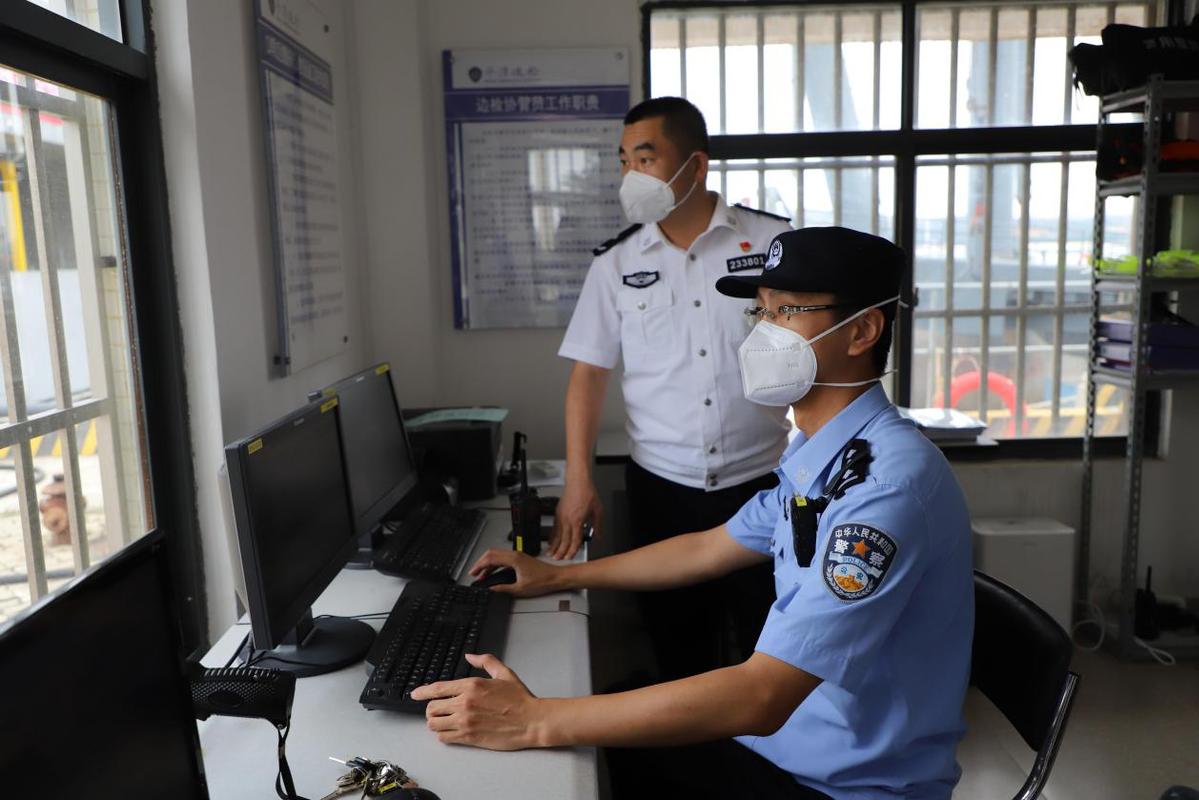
(294,43)
(531,139)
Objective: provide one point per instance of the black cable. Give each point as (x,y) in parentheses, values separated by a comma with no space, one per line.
(258,656)
(284,785)
(244,641)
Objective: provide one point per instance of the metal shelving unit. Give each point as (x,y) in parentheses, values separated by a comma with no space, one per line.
(1153,100)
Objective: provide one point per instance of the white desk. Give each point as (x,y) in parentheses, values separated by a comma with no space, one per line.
(612,447)
(546,647)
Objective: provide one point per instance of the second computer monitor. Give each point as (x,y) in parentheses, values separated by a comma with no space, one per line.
(378,459)
(295,531)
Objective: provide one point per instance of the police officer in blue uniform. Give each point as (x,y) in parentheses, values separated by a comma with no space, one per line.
(856,685)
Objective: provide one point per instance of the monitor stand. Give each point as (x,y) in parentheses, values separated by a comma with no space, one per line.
(315,646)
(364,556)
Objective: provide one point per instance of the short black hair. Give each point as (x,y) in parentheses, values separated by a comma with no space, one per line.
(882,348)
(682,122)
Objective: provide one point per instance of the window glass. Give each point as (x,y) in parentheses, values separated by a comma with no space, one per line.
(820,68)
(985,65)
(72,456)
(103,16)
(1014,355)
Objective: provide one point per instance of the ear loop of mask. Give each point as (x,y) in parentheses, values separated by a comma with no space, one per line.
(846,321)
(677,173)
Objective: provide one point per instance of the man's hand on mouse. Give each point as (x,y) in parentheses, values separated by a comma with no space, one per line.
(579,503)
(533,577)
(496,714)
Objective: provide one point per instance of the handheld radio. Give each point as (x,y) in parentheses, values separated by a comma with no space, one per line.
(524,504)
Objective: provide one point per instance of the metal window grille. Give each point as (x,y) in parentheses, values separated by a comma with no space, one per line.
(952,129)
(72,405)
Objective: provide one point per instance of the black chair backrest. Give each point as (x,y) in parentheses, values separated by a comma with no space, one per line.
(1020,657)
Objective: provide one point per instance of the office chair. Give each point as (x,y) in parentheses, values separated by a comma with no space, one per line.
(1021,660)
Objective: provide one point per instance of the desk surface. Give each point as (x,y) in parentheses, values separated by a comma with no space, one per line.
(612,447)
(547,648)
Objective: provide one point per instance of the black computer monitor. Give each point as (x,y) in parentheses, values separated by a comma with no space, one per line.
(378,458)
(295,531)
(94,698)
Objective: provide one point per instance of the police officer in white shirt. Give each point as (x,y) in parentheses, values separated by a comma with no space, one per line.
(699,449)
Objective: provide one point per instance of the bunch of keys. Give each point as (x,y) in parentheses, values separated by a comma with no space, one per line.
(372,778)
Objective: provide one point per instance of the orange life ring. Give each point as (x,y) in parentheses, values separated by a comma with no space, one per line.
(998,384)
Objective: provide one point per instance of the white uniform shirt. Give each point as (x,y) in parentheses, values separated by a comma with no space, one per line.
(657,307)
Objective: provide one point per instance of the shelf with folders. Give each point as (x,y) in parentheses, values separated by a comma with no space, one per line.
(1151,184)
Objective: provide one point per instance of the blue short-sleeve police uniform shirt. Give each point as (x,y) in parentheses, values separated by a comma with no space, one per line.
(884,613)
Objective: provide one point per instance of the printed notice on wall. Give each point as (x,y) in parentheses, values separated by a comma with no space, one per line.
(294,40)
(531,139)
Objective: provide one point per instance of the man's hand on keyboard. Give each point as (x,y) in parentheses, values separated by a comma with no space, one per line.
(533,577)
(496,714)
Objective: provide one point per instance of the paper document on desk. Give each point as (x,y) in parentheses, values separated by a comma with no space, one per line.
(944,424)
(477,414)
(547,473)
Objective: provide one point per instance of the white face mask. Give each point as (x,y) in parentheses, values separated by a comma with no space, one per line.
(778,365)
(647,199)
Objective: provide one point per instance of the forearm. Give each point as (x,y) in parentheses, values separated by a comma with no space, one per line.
(678,561)
(584,403)
(714,705)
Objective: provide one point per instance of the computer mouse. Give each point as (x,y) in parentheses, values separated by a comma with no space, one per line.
(496,577)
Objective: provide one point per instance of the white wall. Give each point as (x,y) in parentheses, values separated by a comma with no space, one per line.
(222,243)
(398,46)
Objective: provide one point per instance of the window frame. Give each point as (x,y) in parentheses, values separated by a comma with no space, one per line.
(38,41)
(906,144)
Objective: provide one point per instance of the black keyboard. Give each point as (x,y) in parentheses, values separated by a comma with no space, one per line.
(432,542)
(426,634)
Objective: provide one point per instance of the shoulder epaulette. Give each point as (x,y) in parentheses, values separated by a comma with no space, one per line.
(760,212)
(615,240)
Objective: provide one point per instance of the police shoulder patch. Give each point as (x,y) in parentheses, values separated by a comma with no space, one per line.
(856,560)
(640,280)
(615,240)
(762,213)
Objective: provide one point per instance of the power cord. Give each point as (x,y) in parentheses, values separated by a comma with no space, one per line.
(1163,657)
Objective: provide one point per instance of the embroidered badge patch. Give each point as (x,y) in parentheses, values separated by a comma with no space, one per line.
(639,280)
(776,254)
(742,263)
(856,560)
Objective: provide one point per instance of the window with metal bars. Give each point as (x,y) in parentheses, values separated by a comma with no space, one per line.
(952,129)
(71,446)
(91,392)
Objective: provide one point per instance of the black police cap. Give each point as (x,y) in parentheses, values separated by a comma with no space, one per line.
(836,260)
